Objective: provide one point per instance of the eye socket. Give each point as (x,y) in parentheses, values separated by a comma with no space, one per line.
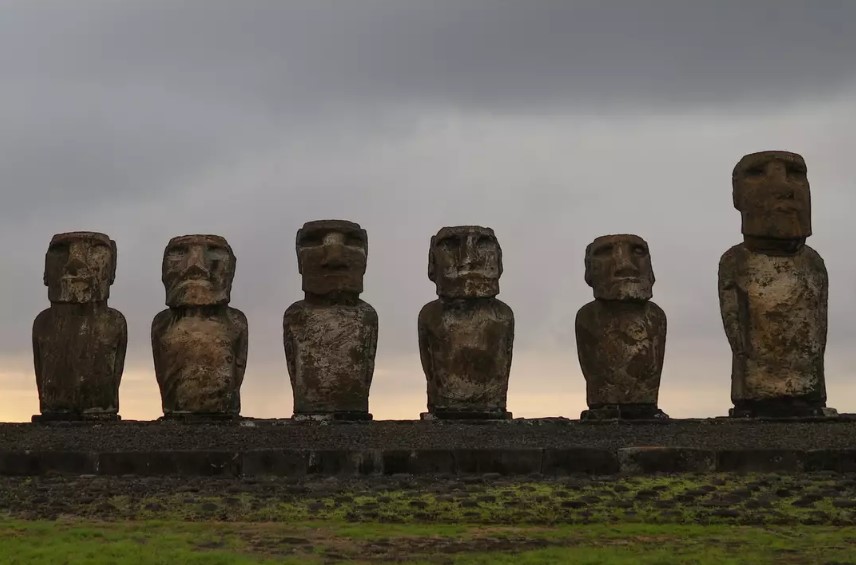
(311,240)
(484,241)
(640,250)
(448,243)
(354,240)
(602,251)
(216,255)
(100,247)
(757,171)
(58,248)
(795,170)
(177,252)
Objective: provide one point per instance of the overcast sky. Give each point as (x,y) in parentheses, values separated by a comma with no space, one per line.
(552,122)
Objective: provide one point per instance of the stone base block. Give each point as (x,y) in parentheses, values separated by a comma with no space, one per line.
(781,408)
(199,417)
(624,412)
(49,417)
(333,417)
(640,460)
(465,415)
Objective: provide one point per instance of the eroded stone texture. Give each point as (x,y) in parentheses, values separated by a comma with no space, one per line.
(199,343)
(466,335)
(330,336)
(621,335)
(773,292)
(79,342)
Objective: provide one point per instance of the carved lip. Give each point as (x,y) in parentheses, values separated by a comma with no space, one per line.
(75,278)
(193,280)
(787,207)
(628,279)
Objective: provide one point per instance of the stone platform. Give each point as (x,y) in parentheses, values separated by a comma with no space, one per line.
(514,447)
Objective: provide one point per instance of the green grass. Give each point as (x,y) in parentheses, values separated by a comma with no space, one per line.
(72,541)
(703,499)
(694,519)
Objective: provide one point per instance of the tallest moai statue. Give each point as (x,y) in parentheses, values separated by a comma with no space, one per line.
(773,292)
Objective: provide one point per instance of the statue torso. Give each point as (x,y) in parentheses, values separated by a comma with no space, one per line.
(330,351)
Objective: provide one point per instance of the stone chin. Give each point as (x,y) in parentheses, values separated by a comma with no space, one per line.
(323,284)
(468,287)
(78,290)
(627,291)
(196,293)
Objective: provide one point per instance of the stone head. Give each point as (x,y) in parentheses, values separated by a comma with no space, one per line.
(618,267)
(332,257)
(198,270)
(80,267)
(465,262)
(771,191)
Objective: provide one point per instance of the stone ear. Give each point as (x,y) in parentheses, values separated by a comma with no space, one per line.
(114,257)
(297,250)
(588,276)
(651,270)
(234,266)
(735,196)
(365,247)
(498,258)
(431,266)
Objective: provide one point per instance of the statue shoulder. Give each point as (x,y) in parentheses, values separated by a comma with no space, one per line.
(367,311)
(237,317)
(162,319)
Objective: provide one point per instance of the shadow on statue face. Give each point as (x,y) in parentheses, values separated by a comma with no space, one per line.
(771,191)
(332,257)
(618,267)
(465,262)
(80,267)
(198,271)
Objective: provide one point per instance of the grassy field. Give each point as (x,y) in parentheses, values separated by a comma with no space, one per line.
(151,542)
(699,519)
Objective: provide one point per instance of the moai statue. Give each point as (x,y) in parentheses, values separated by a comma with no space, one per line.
(199,342)
(621,334)
(79,342)
(330,336)
(773,293)
(466,335)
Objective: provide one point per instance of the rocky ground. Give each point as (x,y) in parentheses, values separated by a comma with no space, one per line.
(545,433)
(751,499)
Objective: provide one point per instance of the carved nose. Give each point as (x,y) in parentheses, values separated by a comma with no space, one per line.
(196,271)
(333,257)
(468,254)
(777,171)
(75,265)
(624,267)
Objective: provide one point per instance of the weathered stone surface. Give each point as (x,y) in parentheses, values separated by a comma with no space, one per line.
(330,336)
(28,463)
(503,461)
(621,335)
(760,460)
(466,335)
(79,342)
(773,292)
(186,463)
(199,343)
(571,460)
(633,460)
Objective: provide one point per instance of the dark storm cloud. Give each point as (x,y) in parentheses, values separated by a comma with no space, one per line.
(488,54)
